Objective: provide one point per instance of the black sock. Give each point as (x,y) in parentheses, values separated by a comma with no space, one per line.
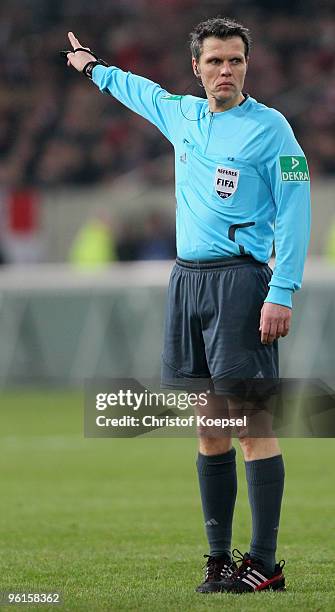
(265,478)
(218,488)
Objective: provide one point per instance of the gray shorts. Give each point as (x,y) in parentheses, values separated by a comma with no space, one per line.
(212,326)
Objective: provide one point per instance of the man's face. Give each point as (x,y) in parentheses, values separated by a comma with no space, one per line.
(222,67)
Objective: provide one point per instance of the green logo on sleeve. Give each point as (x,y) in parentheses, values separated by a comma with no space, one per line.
(294,168)
(171,97)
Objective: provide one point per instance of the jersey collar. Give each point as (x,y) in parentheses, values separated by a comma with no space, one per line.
(235,109)
(246,96)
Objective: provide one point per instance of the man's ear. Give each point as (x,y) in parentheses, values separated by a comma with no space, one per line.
(195,67)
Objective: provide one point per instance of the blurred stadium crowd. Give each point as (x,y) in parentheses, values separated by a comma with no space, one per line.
(57,130)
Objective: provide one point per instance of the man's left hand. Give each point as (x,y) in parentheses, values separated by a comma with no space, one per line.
(275,322)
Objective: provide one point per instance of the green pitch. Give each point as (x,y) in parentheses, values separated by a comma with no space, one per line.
(116,524)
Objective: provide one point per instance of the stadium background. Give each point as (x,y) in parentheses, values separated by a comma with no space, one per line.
(86,242)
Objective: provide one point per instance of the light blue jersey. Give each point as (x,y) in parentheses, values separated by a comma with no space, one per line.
(242,181)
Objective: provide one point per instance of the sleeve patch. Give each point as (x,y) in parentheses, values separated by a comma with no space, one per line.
(171,97)
(294,168)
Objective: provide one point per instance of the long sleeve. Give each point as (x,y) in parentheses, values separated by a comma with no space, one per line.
(142,96)
(288,177)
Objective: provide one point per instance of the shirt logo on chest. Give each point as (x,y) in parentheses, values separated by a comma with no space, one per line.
(226,181)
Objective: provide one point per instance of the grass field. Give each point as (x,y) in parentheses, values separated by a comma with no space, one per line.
(116,524)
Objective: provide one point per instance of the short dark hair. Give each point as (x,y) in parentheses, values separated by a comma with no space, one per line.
(221,27)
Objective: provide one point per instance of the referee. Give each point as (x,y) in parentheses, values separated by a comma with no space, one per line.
(242,185)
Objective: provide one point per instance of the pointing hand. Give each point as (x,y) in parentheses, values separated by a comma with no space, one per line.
(79,59)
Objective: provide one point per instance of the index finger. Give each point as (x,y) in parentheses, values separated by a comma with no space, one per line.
(268,331)
(271,334)
(73,40)
(264,329)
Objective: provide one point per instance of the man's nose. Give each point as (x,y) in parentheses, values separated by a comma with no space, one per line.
(225,68)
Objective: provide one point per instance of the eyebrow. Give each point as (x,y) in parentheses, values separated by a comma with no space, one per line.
(232,56)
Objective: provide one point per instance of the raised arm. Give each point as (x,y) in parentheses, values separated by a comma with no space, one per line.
(139,94)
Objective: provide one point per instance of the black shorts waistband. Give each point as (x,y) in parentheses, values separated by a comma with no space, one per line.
(217,264)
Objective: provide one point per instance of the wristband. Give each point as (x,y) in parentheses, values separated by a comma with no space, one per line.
(88,68)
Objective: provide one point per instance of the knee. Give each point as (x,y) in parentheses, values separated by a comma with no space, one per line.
(214,446)
(248,447)
(259,448)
